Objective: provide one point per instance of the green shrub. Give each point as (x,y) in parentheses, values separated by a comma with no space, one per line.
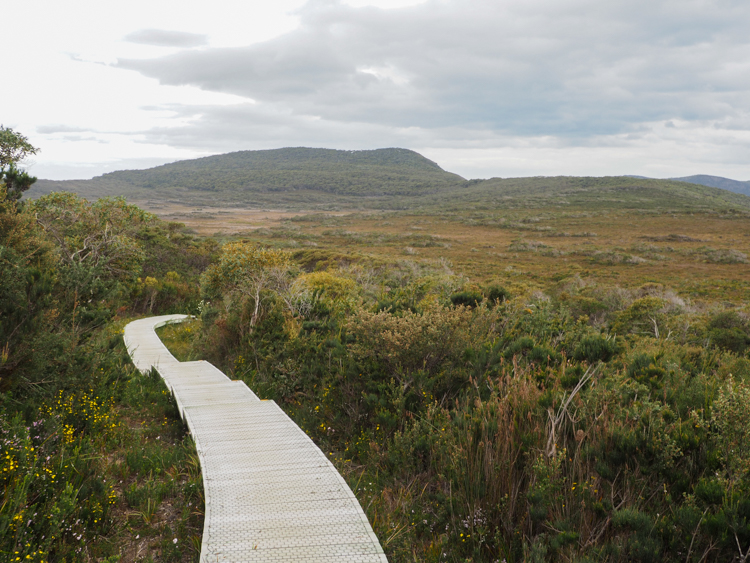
(646,369)
(729,331)
(519,346)
(496,294)
(544,355)
(710,491)
(632,519)
(572,376)
(466,298)
(595,348)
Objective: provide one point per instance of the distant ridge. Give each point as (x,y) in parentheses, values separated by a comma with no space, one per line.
(237,175)
(735,186)
(391,178)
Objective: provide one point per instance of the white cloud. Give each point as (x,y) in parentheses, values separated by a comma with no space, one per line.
(518,87)
(519,67)
(166,38)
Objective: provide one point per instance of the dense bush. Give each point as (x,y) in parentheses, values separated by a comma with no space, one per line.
(509,430)
(729,331)
(596,348)
(466,298)
(68,268)
(592,423)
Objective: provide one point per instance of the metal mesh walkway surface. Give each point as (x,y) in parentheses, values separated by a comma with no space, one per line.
(271,494)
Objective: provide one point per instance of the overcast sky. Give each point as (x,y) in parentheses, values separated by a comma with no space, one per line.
(484,88)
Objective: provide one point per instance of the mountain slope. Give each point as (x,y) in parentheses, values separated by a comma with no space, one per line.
(610,192)
(717,182)
(235,176)
(305,178)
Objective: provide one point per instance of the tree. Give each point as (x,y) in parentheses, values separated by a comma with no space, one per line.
(247,270)
(99,256)
(14,147)
(16,181)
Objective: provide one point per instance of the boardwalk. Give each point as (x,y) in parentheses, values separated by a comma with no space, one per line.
(271,494)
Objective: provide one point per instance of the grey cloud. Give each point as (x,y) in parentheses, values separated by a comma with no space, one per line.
(577,69)
(66,171)
(166,38)
(250,126)
(52,129)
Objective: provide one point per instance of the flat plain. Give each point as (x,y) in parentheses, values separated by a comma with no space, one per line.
(700,254)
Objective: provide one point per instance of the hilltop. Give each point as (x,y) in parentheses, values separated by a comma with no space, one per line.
(391,178)
(253,175)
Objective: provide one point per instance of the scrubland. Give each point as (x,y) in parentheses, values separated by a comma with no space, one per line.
(95,463)
(513,420)
(497,382)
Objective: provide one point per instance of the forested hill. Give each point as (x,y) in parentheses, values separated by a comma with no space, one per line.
(306,178)
(236,175)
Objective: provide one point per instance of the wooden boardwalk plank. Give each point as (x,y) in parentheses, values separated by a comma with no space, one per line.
(271,495)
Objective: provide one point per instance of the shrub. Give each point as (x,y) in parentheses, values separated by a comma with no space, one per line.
(730,422)
(519,345)
(496,294)
(729,331)
(645,369)
(595,348)
(544,355)
(724,256)
(466,298)
(639,316)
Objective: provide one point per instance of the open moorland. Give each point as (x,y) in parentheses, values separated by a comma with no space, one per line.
(699,254)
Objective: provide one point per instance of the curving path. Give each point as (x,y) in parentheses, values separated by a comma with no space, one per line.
(271,494)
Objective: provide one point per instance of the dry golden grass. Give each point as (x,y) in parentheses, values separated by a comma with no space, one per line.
(208,221)
(700,254)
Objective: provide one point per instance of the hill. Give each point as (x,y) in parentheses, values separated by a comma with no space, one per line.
(717,182)
(392,178)
(239,176)
(612,192)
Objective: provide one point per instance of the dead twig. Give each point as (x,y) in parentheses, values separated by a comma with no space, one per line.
(557,419)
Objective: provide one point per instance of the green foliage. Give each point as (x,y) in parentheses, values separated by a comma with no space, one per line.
(14,147)
(730,422)
(729,331)
(475,431)
(242,267)
(496,294)
(595,348)
(26,302)
(640,316)
(67,267)
(99,255)
(466,298)
(16,181)
(63,497)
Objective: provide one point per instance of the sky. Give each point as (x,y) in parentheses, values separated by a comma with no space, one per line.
(485,88)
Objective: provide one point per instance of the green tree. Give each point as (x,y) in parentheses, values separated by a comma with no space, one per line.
(16,181)
(26,279)
(99,256)
(246,270)
(14,147)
